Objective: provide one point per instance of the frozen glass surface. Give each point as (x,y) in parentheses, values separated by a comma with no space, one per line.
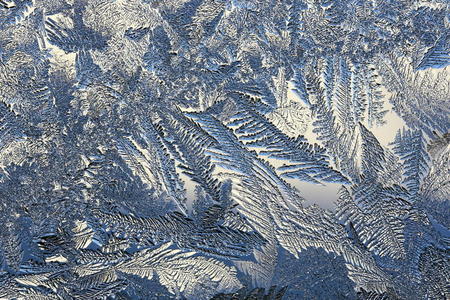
(224,149)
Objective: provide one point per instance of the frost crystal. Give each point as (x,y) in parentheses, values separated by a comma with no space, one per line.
(224,149)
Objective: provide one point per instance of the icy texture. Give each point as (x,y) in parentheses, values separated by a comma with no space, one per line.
(224,149)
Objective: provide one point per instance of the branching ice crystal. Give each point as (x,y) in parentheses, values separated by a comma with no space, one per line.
(224,149)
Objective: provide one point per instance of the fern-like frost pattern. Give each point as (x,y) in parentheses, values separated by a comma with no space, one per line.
(224,149)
